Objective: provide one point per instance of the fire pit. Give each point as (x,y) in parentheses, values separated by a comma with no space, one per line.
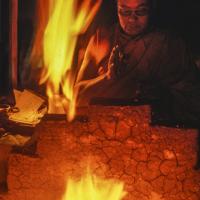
(154,163)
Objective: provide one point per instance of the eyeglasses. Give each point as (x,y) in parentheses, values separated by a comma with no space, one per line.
(128,12)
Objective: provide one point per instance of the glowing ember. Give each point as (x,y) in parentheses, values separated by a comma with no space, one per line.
(59,43)
(90,187)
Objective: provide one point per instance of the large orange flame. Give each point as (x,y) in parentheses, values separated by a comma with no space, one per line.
(91,187)
(63,27)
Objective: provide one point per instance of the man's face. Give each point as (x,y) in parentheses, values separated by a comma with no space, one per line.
(133,16)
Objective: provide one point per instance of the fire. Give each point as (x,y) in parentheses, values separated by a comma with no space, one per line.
(64,25)
(101,50)
(91,187)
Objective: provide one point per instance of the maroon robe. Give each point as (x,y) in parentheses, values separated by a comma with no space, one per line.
(158,67)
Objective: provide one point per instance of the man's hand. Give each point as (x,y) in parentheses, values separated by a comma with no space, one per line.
(114,63)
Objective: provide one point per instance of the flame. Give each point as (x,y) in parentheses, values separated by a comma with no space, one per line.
(91,187)
(101,47)
(62,29)
(43,8)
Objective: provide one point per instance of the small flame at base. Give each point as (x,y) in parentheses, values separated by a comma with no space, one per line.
(91,187)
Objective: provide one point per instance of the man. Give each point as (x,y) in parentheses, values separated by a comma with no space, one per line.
(144,65)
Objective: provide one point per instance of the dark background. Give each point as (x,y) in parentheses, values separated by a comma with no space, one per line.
(181,16)
(5,82)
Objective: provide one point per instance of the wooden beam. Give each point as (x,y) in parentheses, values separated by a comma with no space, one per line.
(14,41)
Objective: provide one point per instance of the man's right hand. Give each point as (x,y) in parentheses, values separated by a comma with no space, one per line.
(113,66)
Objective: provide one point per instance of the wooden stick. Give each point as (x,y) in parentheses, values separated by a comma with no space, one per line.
(14,41)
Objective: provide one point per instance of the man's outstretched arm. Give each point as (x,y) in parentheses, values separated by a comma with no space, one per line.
(87,89)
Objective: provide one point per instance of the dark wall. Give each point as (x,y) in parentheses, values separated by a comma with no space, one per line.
(183,17)
(26,22)
(5,83)
(25,32)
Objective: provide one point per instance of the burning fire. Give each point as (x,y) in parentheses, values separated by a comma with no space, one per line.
(64,25)
(90,187)
(101,49)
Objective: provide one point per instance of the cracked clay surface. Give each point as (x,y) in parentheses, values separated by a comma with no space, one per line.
(155,163)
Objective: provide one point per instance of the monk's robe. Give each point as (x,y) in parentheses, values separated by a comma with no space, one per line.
(158,68)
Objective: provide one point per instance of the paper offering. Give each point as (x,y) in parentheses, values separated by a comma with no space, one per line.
(29,108)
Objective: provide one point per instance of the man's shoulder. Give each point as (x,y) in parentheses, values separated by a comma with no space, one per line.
(168,37)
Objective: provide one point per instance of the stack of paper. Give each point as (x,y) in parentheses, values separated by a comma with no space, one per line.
(30,108)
